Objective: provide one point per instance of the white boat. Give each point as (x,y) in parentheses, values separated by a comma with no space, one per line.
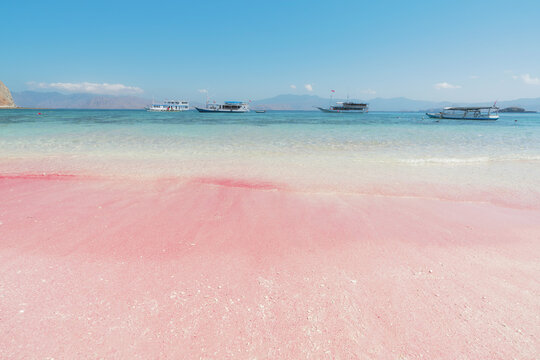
(467,113)
(169,105)
(346,107)
(227,107)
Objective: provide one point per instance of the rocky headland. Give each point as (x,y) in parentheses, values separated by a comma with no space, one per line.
(6,101)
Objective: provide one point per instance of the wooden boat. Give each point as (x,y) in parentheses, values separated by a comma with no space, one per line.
(467,113)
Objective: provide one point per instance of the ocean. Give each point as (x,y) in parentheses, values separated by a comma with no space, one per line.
(353,152)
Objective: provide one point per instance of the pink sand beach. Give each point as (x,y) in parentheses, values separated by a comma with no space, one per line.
(232,268)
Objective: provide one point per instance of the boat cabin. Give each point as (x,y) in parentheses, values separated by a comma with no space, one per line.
(350,106)
(233,105)
(169,105)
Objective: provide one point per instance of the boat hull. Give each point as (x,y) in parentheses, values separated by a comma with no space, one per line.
(342,111)
(450,117)
(202,110)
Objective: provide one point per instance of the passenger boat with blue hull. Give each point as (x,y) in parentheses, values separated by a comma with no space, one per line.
(346,107)
(467,113)
(227,107)
(169,105)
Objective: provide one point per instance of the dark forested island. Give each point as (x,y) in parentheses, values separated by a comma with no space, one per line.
(515,109)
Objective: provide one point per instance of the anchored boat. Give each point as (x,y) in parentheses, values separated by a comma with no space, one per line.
(346,107)
(169,105)
(227,107)
(467,113)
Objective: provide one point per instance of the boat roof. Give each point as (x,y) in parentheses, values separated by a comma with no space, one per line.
(234,102)
(470,107)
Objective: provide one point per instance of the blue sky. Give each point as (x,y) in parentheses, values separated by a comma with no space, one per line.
(432,50)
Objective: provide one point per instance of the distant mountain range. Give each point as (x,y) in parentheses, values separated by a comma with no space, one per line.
(56,100)
(309,102)
(35,99)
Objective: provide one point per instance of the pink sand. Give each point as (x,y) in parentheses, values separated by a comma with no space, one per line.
(228,268)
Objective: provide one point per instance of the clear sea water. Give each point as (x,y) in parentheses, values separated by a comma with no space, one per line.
(300,147)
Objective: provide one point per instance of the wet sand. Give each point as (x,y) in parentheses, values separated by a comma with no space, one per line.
(234,268)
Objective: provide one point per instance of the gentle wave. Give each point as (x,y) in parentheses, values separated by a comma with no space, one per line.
(471,160)
(445,160)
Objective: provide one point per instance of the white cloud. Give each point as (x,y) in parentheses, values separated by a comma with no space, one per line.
(308,87)
(203,91)
(91,88)
(528,79)
(445,85)
(293,86)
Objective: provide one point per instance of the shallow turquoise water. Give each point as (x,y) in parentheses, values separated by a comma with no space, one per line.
(402,136)
(287,146)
